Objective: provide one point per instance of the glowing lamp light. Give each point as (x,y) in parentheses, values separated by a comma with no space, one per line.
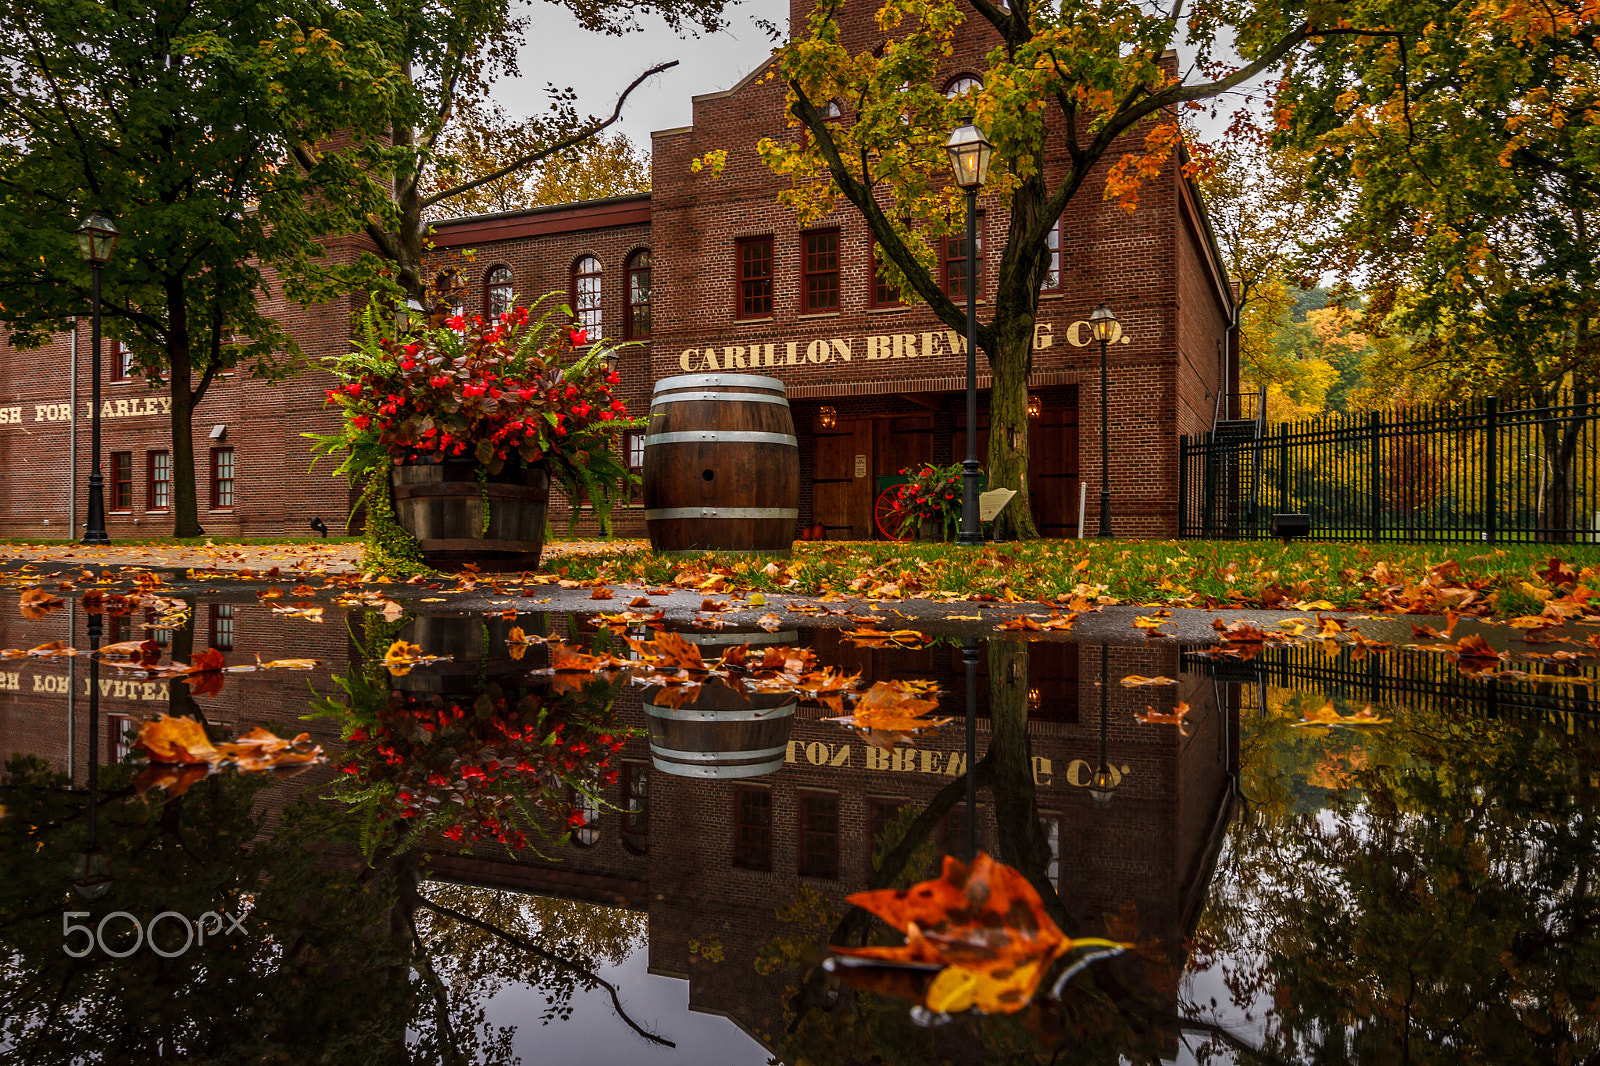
(1102,324)
(969,152)
(827,417)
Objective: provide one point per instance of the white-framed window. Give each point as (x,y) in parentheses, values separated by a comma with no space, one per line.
(497,292)
(586,294)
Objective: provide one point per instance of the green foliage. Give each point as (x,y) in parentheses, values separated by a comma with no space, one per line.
(164,118)
(1068,91)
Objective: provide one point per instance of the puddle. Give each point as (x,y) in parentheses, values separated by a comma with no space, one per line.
(1345,856)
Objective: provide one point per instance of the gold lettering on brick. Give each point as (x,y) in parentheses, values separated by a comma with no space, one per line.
(905,345)
(733,357)
(841,348)
(792,353)
(817,352)
(879,347)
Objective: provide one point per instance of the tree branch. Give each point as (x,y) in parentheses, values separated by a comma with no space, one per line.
(556,960)
(883,232)
(560,146)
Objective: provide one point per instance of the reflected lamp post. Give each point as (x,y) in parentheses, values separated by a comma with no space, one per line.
(97,239)
(969,658)
(91,873)
(1102,781)
(970,152)
(1103,325)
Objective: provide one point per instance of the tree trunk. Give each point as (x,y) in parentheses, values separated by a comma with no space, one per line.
(1022,839)
(1561,439)
(1008,427)
(185,502)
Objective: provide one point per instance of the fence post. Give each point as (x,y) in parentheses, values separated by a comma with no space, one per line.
(1183,485)
(1283,468)
(1374,475)
(1490,474)
(1209,485)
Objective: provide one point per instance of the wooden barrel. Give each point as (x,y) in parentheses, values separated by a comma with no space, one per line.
(722,733)
(478,654)
(721,465)
(441,504)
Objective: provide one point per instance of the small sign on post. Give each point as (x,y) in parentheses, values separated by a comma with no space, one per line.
(861,466)
(991,503)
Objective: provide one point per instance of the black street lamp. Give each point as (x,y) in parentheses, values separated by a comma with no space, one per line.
(1103,324)
(91,873)
(969,658)
(969,153)
(97,238)
(1103,780)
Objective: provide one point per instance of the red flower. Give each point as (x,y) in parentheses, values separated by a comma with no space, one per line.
(456,323)
(576,820)
(410,349)
(454,833)
(580,337)
(361,421)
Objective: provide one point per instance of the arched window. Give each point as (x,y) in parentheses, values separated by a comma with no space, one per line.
(832,110)
(586,294)
(638,325)
(962,83)
(497,291)
(636,807)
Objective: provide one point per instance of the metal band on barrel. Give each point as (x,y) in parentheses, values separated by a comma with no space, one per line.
(661,514)
(745,769)
(718,436)
(742,397)
(689,715)
(738,381)
(717,756)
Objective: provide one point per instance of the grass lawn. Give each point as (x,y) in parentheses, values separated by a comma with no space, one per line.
(1171,573)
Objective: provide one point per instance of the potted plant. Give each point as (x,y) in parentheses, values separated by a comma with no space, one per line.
(454,433)
(929,505)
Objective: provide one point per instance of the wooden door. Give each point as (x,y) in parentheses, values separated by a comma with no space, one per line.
(1053,470)
(841,497)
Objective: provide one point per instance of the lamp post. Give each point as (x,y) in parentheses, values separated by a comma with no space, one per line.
(1102,781)
(1103,324)
(969,659)
(969,152)
(97,238)
(91,873)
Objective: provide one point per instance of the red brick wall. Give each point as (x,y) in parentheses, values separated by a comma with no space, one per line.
(1153,267)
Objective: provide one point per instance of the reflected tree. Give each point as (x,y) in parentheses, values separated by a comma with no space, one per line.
(1443,904)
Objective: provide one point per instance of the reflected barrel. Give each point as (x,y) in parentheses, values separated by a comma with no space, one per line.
(721,465)
(721,733)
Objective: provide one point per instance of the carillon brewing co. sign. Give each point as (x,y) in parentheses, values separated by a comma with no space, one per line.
(929,345)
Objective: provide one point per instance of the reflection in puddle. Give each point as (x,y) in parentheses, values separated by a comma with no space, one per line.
(1296,889)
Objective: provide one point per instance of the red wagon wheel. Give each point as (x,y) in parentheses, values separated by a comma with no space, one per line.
(884,515)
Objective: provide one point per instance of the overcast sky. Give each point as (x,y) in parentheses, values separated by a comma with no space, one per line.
(600,67)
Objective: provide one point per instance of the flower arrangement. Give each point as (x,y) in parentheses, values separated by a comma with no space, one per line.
(492,768)
(934,492)
(513,391)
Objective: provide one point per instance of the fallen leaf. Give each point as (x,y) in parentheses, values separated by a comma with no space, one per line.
(1151,716)
(982,927)
(36,603)
(1137,680)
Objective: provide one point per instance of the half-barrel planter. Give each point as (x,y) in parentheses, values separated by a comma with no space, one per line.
(442,505)
(721,465)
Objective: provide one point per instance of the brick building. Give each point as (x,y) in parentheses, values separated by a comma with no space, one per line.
(710,274)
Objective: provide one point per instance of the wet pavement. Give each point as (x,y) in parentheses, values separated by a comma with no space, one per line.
(546,839)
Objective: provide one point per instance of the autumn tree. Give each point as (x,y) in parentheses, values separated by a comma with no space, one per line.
(1459,142)
(483,139)
(162,117)
(391,175)
(1082,82)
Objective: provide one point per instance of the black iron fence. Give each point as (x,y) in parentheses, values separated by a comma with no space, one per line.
(1564,695)
(1488,470)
